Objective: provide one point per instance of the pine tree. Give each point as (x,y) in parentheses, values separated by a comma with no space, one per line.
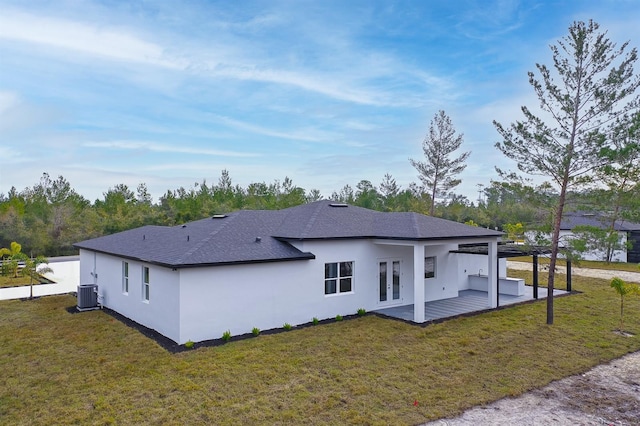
(590,86)
(439,170)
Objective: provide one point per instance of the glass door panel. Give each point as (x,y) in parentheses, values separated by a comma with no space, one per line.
(383,281)
(396,280)
(389,284)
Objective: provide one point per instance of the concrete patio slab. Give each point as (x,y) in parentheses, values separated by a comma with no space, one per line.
(468,301)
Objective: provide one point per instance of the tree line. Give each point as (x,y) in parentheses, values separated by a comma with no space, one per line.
(50,216)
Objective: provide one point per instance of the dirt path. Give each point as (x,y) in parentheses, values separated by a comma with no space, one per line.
(587,272)
(609,394)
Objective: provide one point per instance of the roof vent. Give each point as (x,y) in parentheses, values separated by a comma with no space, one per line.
(218,216)
(338,205)
(258,239)
(184,226)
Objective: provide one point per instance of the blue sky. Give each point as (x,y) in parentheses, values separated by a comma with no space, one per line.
(325,92)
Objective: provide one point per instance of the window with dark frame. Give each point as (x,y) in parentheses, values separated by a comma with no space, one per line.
(125,277)
(145,283)
(338,277)
(430,267)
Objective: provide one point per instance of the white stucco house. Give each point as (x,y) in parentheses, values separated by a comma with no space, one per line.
(628,232)
(265,268)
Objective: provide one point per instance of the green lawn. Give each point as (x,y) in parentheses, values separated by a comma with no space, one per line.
(88,368)
(6,281)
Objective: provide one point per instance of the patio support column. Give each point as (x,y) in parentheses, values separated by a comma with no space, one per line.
(535,276)
(492,277)
(418,284)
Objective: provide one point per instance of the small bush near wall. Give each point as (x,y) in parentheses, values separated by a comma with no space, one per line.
(255,331)
(189,344)
(287,326)
(226,336)
(315,321)
(338,317)
(362,311)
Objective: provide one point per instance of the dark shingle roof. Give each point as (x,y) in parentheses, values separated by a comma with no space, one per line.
(572,219)
(250,236)
(211,241)
(320,220)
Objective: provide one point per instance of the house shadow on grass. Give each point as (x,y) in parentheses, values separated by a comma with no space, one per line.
(174,347)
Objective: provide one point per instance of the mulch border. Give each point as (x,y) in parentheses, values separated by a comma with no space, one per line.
(174,348)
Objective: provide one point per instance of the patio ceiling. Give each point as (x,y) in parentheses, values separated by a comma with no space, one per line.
(505,250)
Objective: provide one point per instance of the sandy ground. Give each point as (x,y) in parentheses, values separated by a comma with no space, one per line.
(607,395)
(633,277)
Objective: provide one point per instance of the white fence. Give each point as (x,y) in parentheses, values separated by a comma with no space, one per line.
(65,277)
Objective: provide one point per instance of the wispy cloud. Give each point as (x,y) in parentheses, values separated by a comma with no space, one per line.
(175,149)
(490,19)
(349,82)
(110,43)
(328,86)
(10,155)
(19,116)
(8,100)
(309,135)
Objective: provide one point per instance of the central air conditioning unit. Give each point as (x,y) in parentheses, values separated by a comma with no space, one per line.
(87,297)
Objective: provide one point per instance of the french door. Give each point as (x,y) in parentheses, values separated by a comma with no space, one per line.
(388,281)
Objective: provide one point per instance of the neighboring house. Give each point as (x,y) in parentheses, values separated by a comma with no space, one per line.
(627,232)
(265,268)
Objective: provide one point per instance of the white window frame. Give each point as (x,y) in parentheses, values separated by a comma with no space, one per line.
(430,262)
(339,277)
(146,284)
(125,277)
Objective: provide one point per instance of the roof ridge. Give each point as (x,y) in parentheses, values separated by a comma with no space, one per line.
(208,237)
(414,221)
(312,220)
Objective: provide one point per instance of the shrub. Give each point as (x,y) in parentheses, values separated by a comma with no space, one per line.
(287,326)
(189,344)
(362,311)
(255,331)
(226,336)
(315,321)
(623,289)
(338,317)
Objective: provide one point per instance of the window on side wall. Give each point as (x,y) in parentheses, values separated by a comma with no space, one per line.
(125,277)
(430,267)
(338,277)
(145,283)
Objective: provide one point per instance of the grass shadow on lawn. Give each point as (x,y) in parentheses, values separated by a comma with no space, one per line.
(90,368)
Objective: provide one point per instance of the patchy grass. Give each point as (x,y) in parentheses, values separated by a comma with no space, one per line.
(613,266)
(6,281)
(88,368)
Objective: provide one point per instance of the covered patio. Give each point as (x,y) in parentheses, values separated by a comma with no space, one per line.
(468,301)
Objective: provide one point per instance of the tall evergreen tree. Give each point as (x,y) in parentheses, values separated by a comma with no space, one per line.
(439,171)
(389,191)
(591,84)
